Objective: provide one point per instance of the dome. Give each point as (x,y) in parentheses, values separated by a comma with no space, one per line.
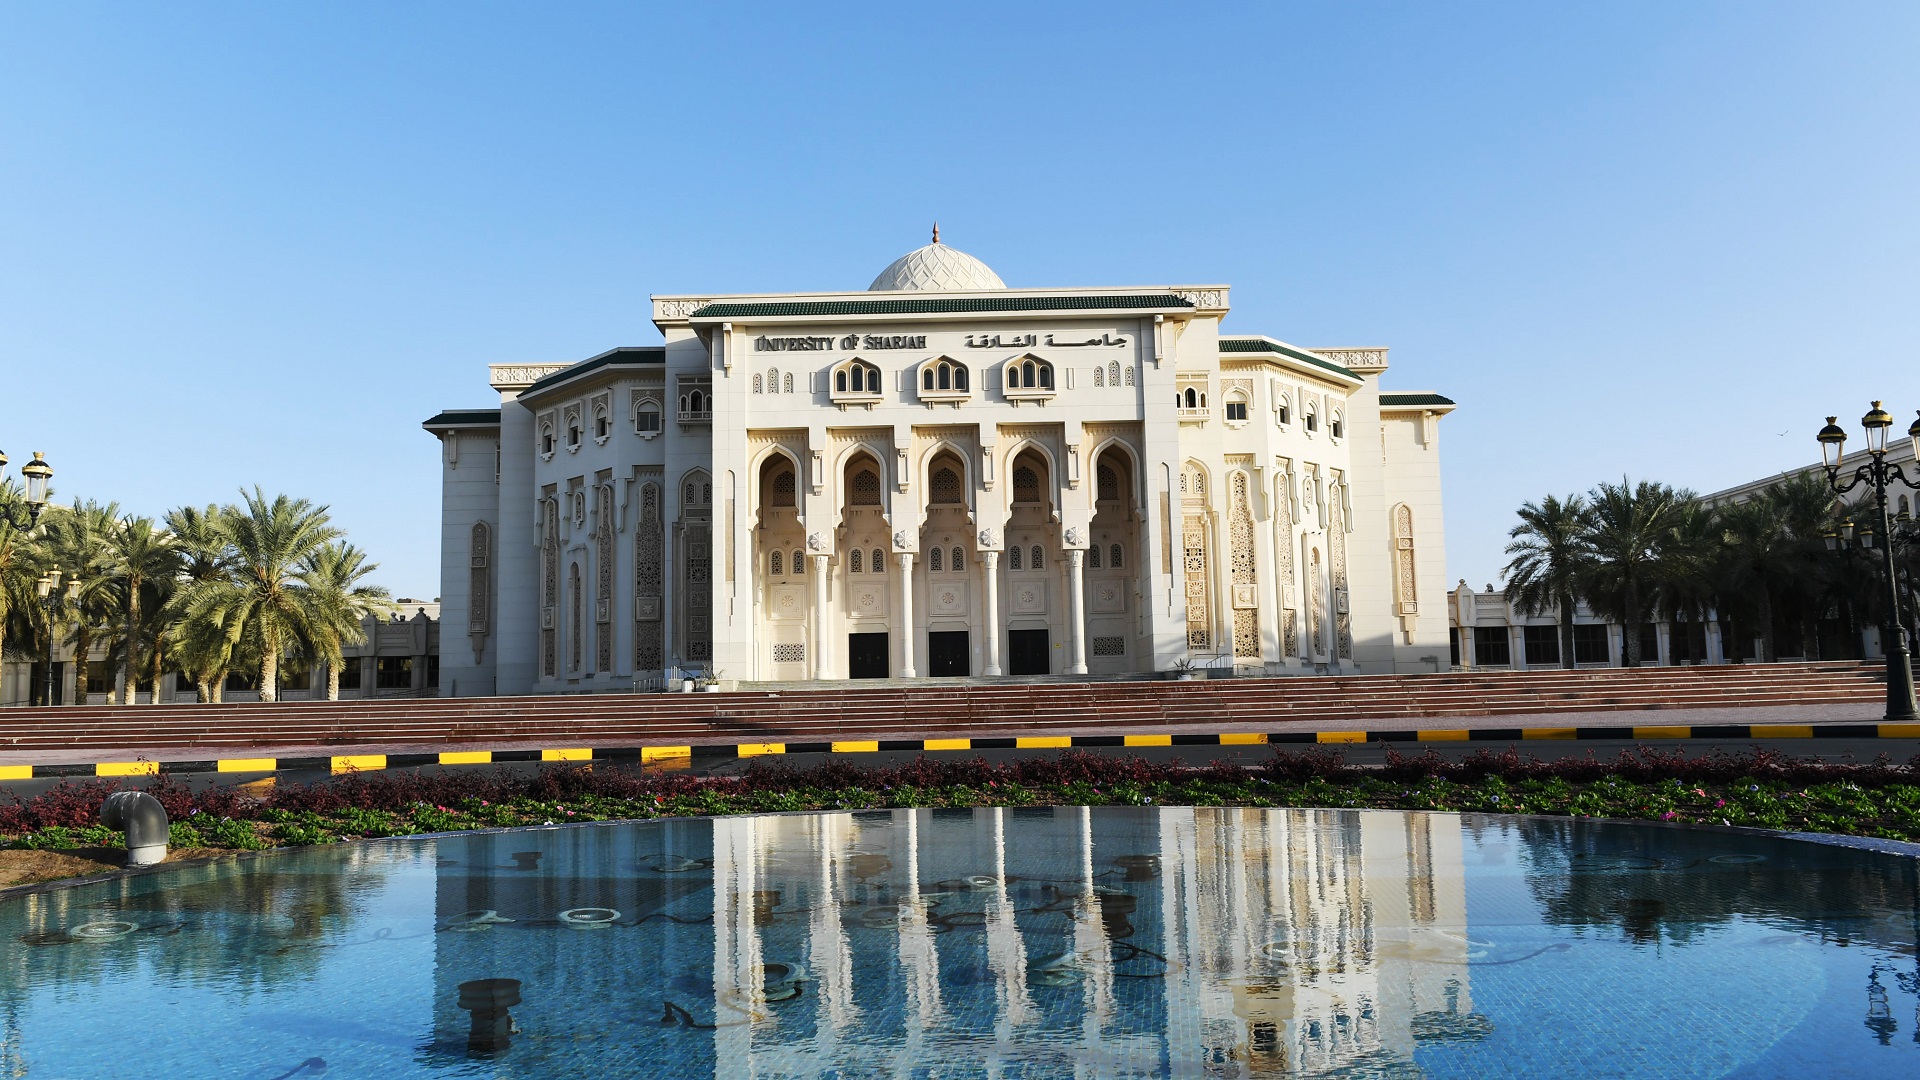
(936,268)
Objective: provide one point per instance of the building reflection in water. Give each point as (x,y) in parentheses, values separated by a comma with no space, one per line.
(1116,942)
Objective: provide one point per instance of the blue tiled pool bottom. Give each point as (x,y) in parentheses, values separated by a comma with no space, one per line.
(986,943)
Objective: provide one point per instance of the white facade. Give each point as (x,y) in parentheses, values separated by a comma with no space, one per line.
(941,477)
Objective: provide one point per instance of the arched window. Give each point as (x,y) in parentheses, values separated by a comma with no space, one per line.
(1311,418)
(1282,410)
(782,489)
(873,380)
(1336,425)
(1192,398)
(879,561)
(774,563)
(959,560)
(1113,557)
(773,380)
(1035,564)
(573,435)
(799,563)
(934,560)
(839,382)
(546,440)
(1107,485)
(1093,557)
(1129,374)
(1099,377)
(926,379)
(786,383)
(601,429)
(944,487)
(856,377)
(866,488)
(853,561)
(756,384)
(646,417)
(1236,407)
(1026,485)
(1027,374)
(946,376)
(1113,373)
(1013,557)
(959,377)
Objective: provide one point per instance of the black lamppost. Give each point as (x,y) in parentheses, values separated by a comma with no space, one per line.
(52,599)
(1876,471)
(36,473)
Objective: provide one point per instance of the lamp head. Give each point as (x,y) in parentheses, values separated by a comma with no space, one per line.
(1833,443)
(1877,422)
(1913,433)
(36,473)
(1832,538)
(73,589)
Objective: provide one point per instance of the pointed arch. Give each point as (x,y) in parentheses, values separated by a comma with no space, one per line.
(1134,499)
(946,449)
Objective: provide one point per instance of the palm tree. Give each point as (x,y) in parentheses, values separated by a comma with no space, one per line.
(1550,556)
(22,561)
(1758,557)
(1631,525)
(1686,581)
(79,540)
(201,651)
(333,575)
(1806,507)
(260,605)
(146,559)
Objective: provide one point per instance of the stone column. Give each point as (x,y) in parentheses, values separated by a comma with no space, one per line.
(1077,610)
(906,615)
(992,561)
(822,621)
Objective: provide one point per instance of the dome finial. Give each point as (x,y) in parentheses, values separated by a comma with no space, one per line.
(936,232)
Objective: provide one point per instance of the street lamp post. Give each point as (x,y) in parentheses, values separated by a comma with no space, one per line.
(36,473)
(1876,471)
(53,599)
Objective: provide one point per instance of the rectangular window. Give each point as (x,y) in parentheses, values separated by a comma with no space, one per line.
(350,673)
(183,682)
(1649,643)
(1543,645)
(433,670)
(1590,644)
(1236,410)
(295,676)
(1492,647)
(1688,642)
(394,673)
(1453,645)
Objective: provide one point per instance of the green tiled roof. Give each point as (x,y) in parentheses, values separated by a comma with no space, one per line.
(464,418)
(1262,345)
(1406,401)
(621,357)
(932,306)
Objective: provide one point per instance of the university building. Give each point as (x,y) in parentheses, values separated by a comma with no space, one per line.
(940,477)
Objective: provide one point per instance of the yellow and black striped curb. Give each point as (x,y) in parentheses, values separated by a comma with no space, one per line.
(671,756)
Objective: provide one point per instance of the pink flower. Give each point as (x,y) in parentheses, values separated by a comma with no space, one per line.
(1668,816)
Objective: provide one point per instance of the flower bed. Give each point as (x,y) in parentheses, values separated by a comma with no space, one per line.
(1761,788)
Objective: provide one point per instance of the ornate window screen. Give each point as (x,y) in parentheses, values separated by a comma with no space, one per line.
(648,654)
(1283,568)
(1405,593)
(1337,564)
(1026,485)
(550,589)
(603,583)
(1194,543)
(944,488)
(1246,595)
(574,630)
(866,488)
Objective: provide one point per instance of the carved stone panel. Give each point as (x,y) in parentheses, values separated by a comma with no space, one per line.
(1027,598)
(947,598)
(1107,597)
(866,602)
(786,602)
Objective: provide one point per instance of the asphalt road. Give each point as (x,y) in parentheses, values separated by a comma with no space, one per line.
(1365,754)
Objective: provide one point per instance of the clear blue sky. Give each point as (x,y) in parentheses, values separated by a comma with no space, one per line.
(248,243)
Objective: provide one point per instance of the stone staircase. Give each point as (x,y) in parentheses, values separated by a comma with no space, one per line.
(934,708)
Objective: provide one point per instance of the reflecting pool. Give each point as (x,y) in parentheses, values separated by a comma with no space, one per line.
(1112,942)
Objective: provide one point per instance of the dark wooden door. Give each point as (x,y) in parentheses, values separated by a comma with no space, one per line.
(867,656)
(947,653)
(1027,653)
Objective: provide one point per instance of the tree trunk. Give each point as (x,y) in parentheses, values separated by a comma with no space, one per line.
(1566,632)
(1810,637)
(333,681)
(1768,650)
(158,672)
(270,671)
(82,648)
(129,683)
(1630,633)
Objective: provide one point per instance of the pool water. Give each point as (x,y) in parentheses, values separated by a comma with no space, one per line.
(1111,942)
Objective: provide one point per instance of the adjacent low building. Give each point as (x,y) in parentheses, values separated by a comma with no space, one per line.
(940,477)
(399,657)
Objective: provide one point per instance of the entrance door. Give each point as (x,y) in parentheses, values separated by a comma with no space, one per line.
(947,653)
(1027,653)
(867,656)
